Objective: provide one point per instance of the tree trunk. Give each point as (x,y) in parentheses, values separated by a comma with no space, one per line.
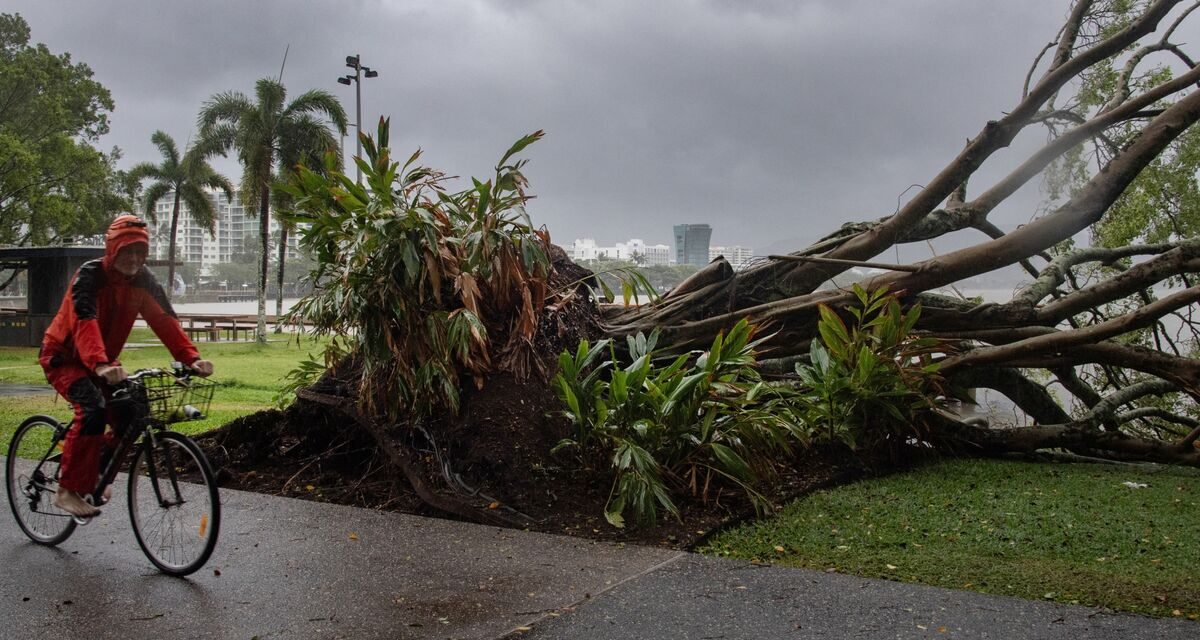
(172,247)
(264,213)
(1073,437)
(283,241)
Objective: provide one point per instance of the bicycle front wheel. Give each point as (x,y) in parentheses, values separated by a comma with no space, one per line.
(31,480)
(173,503)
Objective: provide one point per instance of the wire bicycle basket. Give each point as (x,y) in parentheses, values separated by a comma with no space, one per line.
(171,399)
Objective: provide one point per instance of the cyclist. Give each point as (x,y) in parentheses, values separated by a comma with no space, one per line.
(80,349)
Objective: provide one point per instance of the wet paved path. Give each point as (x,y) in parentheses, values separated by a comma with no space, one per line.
(8,389)
(295,569)
(287,568)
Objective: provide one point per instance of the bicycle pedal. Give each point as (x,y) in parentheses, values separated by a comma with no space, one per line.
(84,521)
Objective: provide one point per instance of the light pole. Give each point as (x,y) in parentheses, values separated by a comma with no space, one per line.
(343,146)
(359,72)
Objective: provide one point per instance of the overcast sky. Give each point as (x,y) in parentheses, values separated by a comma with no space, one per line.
(772,120)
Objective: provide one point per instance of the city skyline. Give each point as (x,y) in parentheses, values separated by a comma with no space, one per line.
(195,245)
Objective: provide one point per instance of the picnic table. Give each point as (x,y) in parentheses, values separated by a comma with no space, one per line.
(212,326)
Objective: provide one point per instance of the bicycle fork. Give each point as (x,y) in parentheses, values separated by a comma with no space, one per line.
(168,464)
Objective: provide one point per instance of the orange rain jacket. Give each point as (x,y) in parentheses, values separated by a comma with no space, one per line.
(101,305)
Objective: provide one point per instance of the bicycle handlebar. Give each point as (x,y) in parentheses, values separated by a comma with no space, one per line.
(170,395)
(180,371)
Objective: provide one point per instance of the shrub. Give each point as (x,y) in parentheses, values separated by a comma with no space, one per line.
(701,421)
(869,382)
(423,287)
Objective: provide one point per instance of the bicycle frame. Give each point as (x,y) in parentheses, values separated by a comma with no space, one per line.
(129,441)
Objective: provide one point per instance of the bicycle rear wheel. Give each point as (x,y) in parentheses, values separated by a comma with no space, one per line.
(31,480)
(173,503)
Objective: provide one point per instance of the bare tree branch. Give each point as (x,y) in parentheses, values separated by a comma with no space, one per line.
(1059,341)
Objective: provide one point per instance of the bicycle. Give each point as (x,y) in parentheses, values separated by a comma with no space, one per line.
(174,506)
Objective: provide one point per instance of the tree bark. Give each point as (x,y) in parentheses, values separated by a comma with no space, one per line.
(172,247)
(264,213)
(283,246)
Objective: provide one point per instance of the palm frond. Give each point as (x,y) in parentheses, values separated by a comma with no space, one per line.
(214,180)
(271,95)
(217,140)
(152,195)
(201,207)
(227,106)
(318,102)
(145,170)
(166,146)
(305,140)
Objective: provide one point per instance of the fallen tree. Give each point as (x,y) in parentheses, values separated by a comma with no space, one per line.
(448,310)
(1089,325)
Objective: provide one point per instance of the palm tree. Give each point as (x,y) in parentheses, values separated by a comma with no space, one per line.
(268,133)
(187,178)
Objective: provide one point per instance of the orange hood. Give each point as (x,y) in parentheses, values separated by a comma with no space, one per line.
(125,230)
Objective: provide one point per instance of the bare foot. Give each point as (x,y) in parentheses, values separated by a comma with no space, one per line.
(107,495)
(73,504)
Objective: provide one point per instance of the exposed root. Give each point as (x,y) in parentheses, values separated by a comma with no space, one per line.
(396,444)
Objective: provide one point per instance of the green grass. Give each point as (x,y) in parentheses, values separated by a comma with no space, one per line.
(1070,533)
(250,376)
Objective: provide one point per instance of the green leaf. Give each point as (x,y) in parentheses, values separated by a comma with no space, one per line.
(572,400)
(565,443)
(613,513)
(731,462)
(683,392)
(520,145)
(833,331)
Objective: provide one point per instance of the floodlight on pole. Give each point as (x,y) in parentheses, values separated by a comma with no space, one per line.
(354,62)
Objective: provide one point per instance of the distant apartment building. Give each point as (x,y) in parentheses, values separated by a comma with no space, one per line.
(636,251)
(737,256)
(234,232)
(691,244)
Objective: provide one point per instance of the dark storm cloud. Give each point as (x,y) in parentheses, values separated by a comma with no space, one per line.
(768,119)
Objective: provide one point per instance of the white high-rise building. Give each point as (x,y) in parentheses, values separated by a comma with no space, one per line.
(234,232)
(636,251)
(736,255)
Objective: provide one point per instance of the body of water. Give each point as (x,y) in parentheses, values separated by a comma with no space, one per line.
(244,308)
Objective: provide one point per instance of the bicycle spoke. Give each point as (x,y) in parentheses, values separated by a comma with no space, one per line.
(31,479)
(175,518)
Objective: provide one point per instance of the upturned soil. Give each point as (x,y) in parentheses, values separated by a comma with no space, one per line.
(305,452)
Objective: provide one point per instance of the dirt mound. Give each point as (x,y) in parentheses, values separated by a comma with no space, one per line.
(308,452)
(490,463)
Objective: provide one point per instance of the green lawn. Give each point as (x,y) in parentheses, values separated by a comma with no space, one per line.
(1067,532)
(250,376)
